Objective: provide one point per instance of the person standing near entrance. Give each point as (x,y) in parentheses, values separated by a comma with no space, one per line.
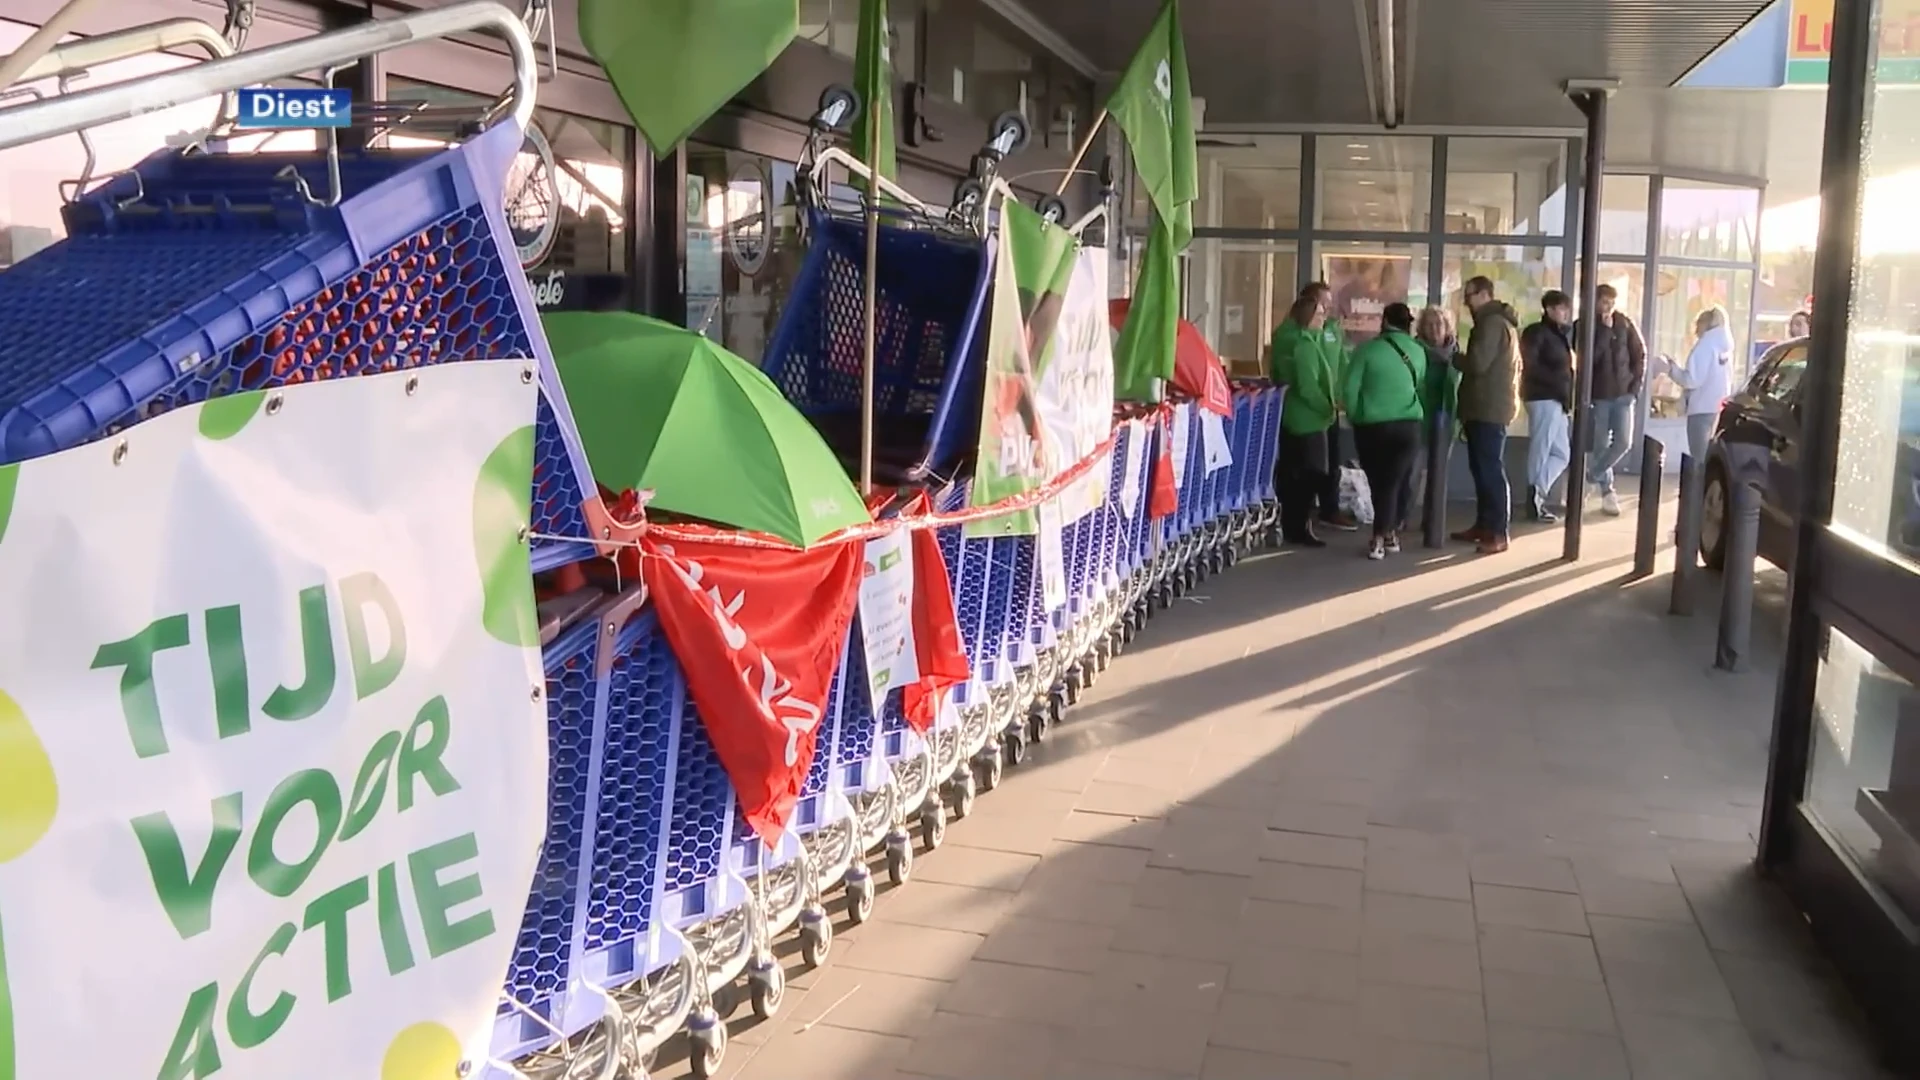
(1435,330)
(1306,363)
(1333,341)
(1546,386)
(1489,398)
(1388,397)
(1619,370)
(1707,378)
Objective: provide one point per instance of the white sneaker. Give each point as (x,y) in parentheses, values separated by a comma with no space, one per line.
(1376,550)
(1610,504)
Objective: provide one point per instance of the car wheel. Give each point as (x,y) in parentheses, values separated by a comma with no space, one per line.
(1715,513)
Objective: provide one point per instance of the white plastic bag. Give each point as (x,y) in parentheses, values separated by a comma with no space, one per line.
(1355,497)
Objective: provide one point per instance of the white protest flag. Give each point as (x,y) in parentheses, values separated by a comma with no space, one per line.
(275,753)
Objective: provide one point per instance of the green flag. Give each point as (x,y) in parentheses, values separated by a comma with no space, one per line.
(1033,265)
(675,63)
(1154,106)
(1144,351)
(873,71)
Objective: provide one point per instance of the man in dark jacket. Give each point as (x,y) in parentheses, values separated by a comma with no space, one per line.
(1546,385)
(1619,370)
(1489,389)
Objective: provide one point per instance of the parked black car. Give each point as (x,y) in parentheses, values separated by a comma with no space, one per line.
(1762,423)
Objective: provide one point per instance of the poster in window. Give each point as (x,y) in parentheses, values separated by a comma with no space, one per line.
(1363,286)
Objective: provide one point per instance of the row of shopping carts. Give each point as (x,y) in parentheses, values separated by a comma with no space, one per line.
(657,908)
(654,908)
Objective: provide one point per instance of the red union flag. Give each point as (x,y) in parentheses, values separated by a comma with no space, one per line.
(759,635)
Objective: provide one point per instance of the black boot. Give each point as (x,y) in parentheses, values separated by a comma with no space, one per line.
(1533,504)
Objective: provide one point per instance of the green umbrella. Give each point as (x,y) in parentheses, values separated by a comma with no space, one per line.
(664,409)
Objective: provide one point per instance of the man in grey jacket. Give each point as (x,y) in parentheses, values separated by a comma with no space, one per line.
(1489,399)
(1619,369)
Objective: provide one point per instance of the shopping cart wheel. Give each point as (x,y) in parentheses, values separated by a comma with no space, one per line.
(859,895)
(1038,724)
(1009,132)
(816,937)
(766,987)
(1056,711)
(726,1001)
(965,787)
(991,766)
(968,196)
(1053,208)
(933,823)
(1016,747)
(899,859)
(706,1045)
(839,108)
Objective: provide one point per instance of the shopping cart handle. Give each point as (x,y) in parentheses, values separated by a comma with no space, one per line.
(70,113)
(74,57)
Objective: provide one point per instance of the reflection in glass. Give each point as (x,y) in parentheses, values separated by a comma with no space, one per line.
(1681,293)
(1373,183)
(1521,276)
(1699,220)
(1863,782)
(579,261)
(1506,187)
(1623,214)
(1241,293)
(743,245)
(1366,277)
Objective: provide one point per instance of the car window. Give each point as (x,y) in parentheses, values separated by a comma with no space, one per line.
(1783,377)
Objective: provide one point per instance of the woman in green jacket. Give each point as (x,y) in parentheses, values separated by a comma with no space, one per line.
(1388,397)
(1305,364)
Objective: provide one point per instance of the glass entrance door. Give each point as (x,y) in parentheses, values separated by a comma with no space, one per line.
(1241,293)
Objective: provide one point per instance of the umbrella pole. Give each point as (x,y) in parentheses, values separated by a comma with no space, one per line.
(872,310)
(1080,154)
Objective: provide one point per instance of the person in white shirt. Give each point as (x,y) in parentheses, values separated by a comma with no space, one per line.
(1707,378)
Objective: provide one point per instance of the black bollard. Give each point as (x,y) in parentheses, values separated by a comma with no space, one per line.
(1736,579)
(1646,546)
(1433,516)
(1686,554)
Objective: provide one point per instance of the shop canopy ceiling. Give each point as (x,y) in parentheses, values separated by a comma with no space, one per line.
(1498,63)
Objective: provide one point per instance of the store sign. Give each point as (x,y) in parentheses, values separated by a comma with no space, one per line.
(1810,42)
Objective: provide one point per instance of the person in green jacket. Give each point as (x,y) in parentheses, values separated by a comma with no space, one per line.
(1333,340)
(1389,395)
(1306,362)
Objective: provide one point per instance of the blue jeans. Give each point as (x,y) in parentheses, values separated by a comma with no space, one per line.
(1612,439)
(1487,459)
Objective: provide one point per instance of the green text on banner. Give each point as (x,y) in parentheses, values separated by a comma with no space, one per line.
(275,747)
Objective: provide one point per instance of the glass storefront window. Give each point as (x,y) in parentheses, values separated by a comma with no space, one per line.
(1699,220)
(1365,277)
(1373,183)
(743,245)
(1252,187)
(1241,292)
(1863,780)
(1681,293)
(570,221)
(1629,281)
(1624,202)
(1506,187)
(31,176)
(1521,276)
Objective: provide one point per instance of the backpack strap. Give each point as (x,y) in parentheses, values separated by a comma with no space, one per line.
(1412,375)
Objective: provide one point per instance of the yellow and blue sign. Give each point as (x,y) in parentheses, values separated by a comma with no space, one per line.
(276,107)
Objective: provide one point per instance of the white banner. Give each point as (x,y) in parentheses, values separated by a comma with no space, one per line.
(1134,475)
(1213,434)
(1076,389)
(886,615)
(275,762)
(1053,557)
(1182,435)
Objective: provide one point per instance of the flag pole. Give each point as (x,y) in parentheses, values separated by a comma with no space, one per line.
(872,300)
(1080,154)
